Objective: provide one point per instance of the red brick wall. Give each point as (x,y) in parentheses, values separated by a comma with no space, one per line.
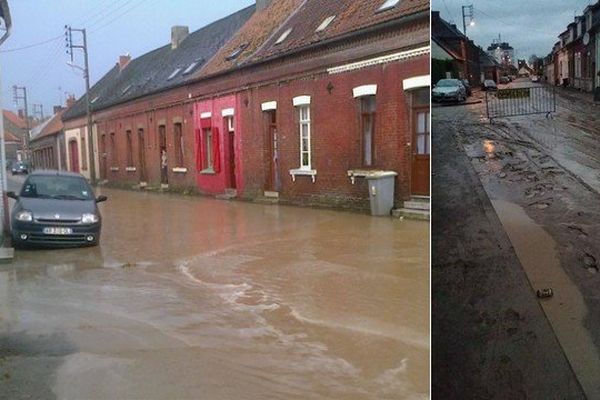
(335,134)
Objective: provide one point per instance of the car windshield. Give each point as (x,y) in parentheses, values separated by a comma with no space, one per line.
(447,83)
(57,187)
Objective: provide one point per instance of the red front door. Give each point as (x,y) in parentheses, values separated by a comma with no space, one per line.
(421,152)
(74,153)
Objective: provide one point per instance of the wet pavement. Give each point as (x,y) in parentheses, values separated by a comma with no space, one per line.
(539,174)
(189,297)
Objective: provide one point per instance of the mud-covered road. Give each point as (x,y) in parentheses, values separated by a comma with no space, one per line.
(541,175)
(192,298)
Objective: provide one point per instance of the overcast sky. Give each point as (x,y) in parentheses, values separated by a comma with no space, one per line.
(114,26)
(530,26)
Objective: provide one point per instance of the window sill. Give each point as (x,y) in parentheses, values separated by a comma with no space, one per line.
(114,169)
(130,169)
(208,171)
(369,173)
(303,172)
(179,170)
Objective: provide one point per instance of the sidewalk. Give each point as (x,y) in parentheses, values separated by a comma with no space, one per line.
(491,338)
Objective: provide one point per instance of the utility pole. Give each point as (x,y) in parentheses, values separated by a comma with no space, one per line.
(86,74)
(20,93)
(467,12)
(38,111)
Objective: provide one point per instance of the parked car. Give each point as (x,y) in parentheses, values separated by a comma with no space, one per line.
(19,167)
(56,208)
(467,86)
(449,90)
(535,78)
(489,84)
(504,79)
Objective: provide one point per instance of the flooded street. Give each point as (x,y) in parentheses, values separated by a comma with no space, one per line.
(541,177)
(191,297)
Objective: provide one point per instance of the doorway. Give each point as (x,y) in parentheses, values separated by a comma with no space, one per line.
(421,139)
(273,183)
(142,154)
(162,146)
(74,154)
(230,129)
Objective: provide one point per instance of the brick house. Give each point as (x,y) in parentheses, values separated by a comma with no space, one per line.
(303,101)
(14,131)
(47,144)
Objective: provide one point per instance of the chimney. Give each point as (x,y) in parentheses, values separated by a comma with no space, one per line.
(21,114)
(123,61)
(178,34)
(262,4)
(70,101)
(57,109)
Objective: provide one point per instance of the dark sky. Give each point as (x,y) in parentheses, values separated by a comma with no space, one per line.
(530,26)
(115,27)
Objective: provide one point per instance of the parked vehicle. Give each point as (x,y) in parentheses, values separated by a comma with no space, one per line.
(489,84)
(56,208)
(449,90)
(504,79)
(535,78)
(19,167)
(467,86)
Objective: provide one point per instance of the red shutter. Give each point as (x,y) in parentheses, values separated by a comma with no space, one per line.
(216,151)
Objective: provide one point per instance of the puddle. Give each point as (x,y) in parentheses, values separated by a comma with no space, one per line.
(566,310)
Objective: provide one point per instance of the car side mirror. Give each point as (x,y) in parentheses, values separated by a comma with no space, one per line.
(12,195)
(101,198)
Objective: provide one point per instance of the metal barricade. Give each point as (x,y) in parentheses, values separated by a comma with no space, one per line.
(520,101)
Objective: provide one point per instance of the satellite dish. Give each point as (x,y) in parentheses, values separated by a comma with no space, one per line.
(586,38)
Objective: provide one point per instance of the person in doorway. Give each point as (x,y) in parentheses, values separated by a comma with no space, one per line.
(163,165)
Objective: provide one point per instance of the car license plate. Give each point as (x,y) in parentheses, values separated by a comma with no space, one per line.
(58,231)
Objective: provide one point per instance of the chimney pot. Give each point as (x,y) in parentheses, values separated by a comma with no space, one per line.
(20,114)
(262,4)
(123,61)
(57,109)
(70,101)
(178,34)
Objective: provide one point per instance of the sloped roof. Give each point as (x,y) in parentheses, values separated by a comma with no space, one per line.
(251,36)
(50,127)
(14,118)
(442,29)
(9,137)
(150,72)
(350,16)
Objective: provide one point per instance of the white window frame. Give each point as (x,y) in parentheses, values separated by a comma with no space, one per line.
(302,123)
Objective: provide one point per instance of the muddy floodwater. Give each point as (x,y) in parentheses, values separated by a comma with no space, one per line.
(194,298)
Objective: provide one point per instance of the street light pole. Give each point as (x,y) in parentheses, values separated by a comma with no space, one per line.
(467,11)
(4,219)
(86,75)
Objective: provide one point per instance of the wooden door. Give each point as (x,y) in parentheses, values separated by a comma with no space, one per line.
(142,154)
(272,183)
(231,151)
(103,160)
(162,154)
(421,151)
(74,154)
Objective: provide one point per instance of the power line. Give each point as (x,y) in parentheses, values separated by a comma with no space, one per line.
(509,24)
(29,46)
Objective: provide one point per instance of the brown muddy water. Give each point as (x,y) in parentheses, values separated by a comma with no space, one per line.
(196,298)
(566,309)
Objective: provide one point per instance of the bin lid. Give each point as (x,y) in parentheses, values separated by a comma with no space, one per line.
(372,174)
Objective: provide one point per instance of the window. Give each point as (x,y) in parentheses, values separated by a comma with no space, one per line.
(388,4)
(283,36)
(124,91)
(95,99)
(325,23)
(208,149)
(178,143)
(305,156)
(236,53)
(423,135)
(368,104)
(193,65)
(173,74)
(129,149)
(83,154)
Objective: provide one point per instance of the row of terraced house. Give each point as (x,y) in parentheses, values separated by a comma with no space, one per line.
(575,58)
(293,100)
